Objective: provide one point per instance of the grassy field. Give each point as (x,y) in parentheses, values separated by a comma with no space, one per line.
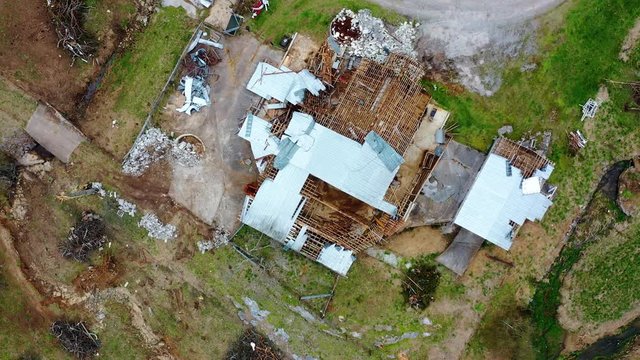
(15,108)
(607,279)
(138,75)
(310,17)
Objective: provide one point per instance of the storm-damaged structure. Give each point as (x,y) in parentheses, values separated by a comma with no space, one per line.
(343,149)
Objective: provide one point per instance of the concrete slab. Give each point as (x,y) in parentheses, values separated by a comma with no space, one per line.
(213,191)
(462,250)
(51,130)
(447,186)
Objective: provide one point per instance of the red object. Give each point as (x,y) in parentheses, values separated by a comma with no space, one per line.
(257,8)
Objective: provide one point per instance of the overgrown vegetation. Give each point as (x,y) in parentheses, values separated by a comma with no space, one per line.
(139,74)
(505,330)
(309,17)
(253,345)
(421,282)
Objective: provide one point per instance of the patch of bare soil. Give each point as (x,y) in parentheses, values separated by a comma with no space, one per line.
(102,276)
(630,42)
(417,241)
(629,191)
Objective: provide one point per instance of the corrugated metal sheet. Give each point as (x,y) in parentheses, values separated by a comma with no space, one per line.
(258,132)
(389,157)
(495,198)
(336,258)
(283,84)
(277,203)
(343,163)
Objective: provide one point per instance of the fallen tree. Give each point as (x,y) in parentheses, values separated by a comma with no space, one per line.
(68,19)
(87,236)
(76,338)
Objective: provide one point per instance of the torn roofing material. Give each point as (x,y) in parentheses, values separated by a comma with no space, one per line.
(257,132)
(336,258)
(283,84)
(391,159)
(496,203)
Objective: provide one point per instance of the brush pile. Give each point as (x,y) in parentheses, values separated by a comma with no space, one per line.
(76,339)
(88,235)
(68,19)
(254,346)
(420,283)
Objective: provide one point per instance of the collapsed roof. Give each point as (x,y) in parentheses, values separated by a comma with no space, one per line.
(283,84)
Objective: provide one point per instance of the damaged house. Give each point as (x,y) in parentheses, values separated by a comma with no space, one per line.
(343,150)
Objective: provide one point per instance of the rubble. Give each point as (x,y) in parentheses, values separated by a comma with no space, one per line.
(362,34)
(185,154)
(205,245)
(577,141)
(76,338)
(18,144)
(157,229)
(196,92)
(589,109)
(148,148)
(125,207)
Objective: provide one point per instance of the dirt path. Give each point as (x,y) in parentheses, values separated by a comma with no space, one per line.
(473,33)
(630,42)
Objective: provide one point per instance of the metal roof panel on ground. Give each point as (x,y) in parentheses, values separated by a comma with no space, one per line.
(336,258)
(496,198)
(258,132)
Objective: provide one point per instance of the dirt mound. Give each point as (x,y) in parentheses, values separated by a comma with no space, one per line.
(102,276)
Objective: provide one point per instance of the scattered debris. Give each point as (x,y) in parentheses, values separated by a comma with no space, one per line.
(88,235)
(589,109)
(390,340)
(68,17)
(420,283)
(257,8)
(252,345)
(76,339)
(507,129)
(196,92)
(148,148)
(125,207)
(205,245)
(199,62)
(18,144)
(220,239)
(185,154)
(259,315)
(157,229)
(577,141)
(362,34)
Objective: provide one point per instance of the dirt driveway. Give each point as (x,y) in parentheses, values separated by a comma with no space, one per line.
(213,191)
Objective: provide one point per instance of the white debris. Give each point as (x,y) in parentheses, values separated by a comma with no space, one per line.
(205,245)
(589,109)
(125,207)
(185,154)
(220,239)
(157,229)
(375,41)
(149,148)
(196,92)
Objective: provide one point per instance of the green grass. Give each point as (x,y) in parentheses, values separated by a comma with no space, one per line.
(139,73)
(98,20)
(607,280)
(309,17)
(15,108)
(117,322)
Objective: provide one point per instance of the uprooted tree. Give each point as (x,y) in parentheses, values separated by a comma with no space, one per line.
(253,346)
(76,338)
(88,235)
(68,18)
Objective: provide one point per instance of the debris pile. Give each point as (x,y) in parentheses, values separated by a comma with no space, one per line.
(205,245)
(198,62)
(18,144)
(88,235)
(254,346)
(148,148)
(68,17)
(589,109)
(76,339)
(577,141)
(362,34)
(157,229)
(185,154)
(420,283)
(196,93)
(125,207)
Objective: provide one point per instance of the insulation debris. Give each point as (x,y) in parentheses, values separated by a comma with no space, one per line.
(148,148)
(196,92)
(362,34)
(157,229)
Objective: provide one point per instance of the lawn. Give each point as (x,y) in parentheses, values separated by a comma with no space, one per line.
(310,17)
(606,287)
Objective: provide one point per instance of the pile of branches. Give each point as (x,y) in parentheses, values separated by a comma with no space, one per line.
(254,346)
(68,18)
(86,236)
(420,283)
(76,339)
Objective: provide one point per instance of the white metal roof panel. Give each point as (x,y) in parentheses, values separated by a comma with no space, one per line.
(277,203)
(258,132)
(495,198)
(336,258)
